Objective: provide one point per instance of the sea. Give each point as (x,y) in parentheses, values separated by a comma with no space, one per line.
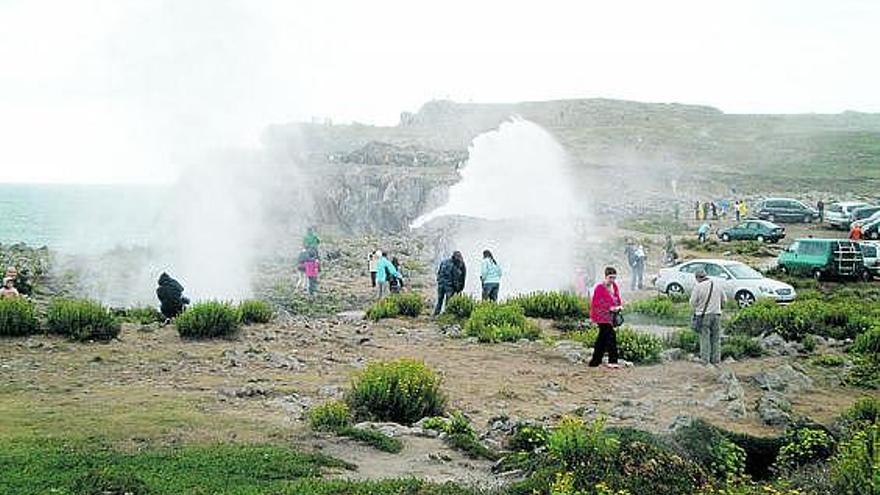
(81,219)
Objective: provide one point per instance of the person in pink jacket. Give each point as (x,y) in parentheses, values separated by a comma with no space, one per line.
(606,300)
(311,269)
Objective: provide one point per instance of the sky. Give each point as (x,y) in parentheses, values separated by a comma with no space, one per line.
(132,90)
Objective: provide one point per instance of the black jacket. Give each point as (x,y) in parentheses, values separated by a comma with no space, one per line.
(170,294)
(451,276)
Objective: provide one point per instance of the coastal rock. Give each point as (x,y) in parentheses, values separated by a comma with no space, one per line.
(783,379)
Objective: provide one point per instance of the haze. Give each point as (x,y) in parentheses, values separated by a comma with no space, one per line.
(126,91)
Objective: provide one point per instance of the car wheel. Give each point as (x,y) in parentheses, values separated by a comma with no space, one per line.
(783,269)
(725,237)
(744,298)
(674,289)
(771,218)
(874,234)
(866,276)
(760,239)
(817,274)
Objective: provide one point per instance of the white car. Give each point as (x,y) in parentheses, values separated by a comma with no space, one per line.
(739,281)
(838,214)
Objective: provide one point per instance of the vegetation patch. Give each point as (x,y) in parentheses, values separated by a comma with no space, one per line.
(17,318)
(403,391)
(408,304)
(335,417)
(460,306)
(209,319)
(741,346)
(829,318)
(662,309)
(142,315)
(255,311)
(490,322)
(684,339)
(632,345)
(552,305)
(81,319)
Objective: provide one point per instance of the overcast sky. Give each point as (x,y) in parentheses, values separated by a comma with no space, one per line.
(117,90)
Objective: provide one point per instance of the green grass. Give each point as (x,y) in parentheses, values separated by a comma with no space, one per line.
(374,438)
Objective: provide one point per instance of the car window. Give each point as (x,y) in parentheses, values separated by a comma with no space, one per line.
(744,272)
(812,248)
(794,247)
(753,225)
(692,267)
(869,251)
(714,270)
(835,208)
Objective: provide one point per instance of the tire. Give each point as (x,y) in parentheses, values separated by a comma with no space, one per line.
(817,274)
(725,237)
(808,219)
(674,289)
(866,276)
(744,298)
(760,239)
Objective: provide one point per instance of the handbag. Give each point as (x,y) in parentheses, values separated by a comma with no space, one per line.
(616,318)
(697,321)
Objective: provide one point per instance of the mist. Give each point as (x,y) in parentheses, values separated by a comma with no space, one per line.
(518,193)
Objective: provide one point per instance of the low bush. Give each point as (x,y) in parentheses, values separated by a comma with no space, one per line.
(829,360)
(855,469)
(490,322)
(552,305)
(374,438)
(17,318)
(868,343)
(710,448)
(829,318)
(528,437)
(865,411)
(741,346)
(81,319)
(406,304)
(632,345)
(403,391)
(647,467)
(577,445)
(330,416)
(460,306)
(143,315)
(660,308)
(209,319)
(255,311)
(804,446)
(865,372)
(685,339)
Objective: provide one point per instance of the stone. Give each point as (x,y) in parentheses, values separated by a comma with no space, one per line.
(672,354)
(774,409)
(783,379)
(572,351)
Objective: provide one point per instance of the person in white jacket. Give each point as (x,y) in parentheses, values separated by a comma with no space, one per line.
(490,276)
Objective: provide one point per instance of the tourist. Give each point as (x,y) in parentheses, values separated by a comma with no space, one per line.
(703,232)
(670,256)
(820,205)
(384,271)
(301,282)
(706,302)
(697,210)
(19,280)
(640,259)
(490,276)
(855,233)
(312,267)
(8,291)
(743,209)
(449,277)
(605,308)
(372,259)
(311,241)
(395,284)
(737,211)
(170,294)
(714,209)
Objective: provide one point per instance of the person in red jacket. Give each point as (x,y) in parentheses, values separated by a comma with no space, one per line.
(606,300)
(855,233)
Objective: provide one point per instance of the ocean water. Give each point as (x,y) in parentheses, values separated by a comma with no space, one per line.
(80,219)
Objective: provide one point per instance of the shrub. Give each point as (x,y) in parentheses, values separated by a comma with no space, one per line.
(865,410)
(804,446)
(17,318)
(255,311)
(661,308)
(460,306)
(865,372)
(143,315)
(490,322)
(868,343)
(638,347)
(650,468)
(855,469)
(578,445)
(374,438)
(710,448)
(686,340)
(407,304)
(741,346)
(402,391)
(528,437)
(209,319)
(841,318)
(552,305)
(81,319)
(330,416)
(829,360)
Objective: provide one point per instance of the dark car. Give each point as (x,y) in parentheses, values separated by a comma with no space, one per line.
(863,213)
(786,210)
(753,230)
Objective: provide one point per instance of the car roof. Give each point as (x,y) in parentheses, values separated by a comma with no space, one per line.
(817,239)
(850,203)
(717,261)
(786,199)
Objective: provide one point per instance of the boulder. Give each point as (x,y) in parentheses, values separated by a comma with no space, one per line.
(783,379)
(774,409)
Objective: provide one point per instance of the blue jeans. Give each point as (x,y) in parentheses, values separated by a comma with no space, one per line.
(442,294)
(490,292)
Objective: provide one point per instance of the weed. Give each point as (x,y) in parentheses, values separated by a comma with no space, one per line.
(255,311)
(490,322)
(81,319)
(17,318)
(209,319)
(552,305)
(403,391)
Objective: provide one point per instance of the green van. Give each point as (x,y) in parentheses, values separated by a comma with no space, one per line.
(821,258)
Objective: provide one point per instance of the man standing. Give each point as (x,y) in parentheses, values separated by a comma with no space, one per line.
(640,259)
(703,232)
(630,252)
(706,302)
(450,279)
(820,205)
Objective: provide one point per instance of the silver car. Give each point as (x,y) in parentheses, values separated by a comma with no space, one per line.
(838,215)
(738,280)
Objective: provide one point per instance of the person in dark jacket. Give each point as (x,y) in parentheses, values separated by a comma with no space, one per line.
(450,279)
(170,294)
(459,273)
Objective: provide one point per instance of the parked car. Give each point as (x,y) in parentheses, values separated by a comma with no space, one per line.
(753,230)
(785,210)
(821,258)
(861,215)
(870,257)
(739,281)
(871,229)
(838,215)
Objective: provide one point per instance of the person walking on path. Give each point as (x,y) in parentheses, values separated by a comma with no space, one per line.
(855,233)
(639,261)
(490,276)
(603,306)
(459,273)
(395,284)
(706,303)
(449,277)
(736,211)
(703,232)
(312,267)
(372,260)
(384,271)
(171,299)
(820,205)
(311,241)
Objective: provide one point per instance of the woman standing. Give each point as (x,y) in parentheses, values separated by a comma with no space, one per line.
(605,303)
(490,275)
